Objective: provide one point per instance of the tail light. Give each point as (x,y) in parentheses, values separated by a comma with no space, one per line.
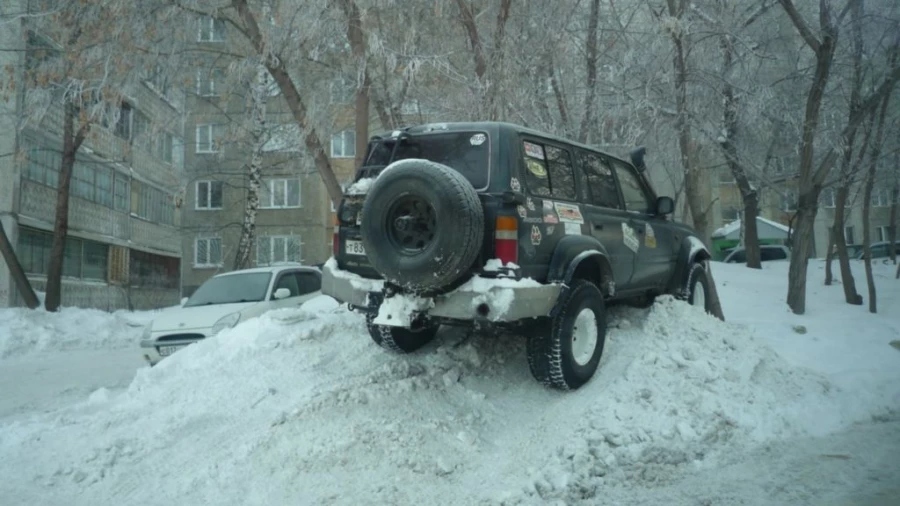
(506,239)
(336,242)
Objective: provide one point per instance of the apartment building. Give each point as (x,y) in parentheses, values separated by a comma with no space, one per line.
(123,248)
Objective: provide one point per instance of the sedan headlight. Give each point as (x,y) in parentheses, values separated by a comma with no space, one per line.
(226,322)
(148,330)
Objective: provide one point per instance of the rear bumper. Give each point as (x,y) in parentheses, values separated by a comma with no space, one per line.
(500,300)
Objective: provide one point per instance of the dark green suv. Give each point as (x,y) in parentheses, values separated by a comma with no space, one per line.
(495,226)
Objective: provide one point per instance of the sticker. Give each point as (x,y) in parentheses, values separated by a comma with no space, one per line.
(630,238)
(534,150)
(549,213)
(550,218)
(533,219)
(514,185)
(551,229)
(477,139)
(547,205)
(535,235)
(569,213)
(650,239)
(530,204)
(522,211)
(573,229)
(537,168)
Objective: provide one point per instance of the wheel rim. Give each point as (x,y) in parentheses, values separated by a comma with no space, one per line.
(411,224)
(584,337)
(699,298)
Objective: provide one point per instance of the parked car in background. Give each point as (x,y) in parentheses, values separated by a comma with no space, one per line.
(767,252)
(879,250)
(225,300)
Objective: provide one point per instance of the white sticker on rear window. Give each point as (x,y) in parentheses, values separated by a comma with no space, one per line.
(477,139)
(534,150)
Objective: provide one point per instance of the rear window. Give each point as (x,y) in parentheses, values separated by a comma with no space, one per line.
(465,152)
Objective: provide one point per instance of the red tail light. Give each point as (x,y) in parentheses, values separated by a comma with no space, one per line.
(506,239)
(336,241)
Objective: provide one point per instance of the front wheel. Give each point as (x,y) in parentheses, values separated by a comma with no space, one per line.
(697,292)
(564,351)
(400,339)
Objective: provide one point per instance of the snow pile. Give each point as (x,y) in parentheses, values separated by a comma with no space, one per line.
(25,330)
(361,187)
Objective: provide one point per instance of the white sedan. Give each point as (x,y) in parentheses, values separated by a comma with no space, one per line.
(226,299)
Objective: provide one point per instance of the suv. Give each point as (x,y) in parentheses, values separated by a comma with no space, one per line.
(495,226)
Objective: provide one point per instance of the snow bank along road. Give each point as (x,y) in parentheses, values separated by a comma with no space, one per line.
(299,407)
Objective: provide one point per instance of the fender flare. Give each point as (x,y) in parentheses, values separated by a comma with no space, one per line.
(692,250)
(579,256)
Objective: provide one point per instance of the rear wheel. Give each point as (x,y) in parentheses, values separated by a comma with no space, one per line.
(400,339)
(698,287)
(564,351)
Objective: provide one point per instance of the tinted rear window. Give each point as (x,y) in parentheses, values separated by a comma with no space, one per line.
(465,152)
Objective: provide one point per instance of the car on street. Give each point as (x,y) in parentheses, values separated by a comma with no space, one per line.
(225,300)
(494,226)
(767,252)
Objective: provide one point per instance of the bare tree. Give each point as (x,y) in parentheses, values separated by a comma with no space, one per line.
(15,269)
(258,136)
(867,203)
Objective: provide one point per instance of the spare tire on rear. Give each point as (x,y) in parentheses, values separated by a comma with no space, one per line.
(422,225)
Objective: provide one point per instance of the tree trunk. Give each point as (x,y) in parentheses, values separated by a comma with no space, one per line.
(15,270)
(829,257)
(895,202)
(801,246)
(486,63)
(294,100)
(591,66)
(72,140)
(258,100)
(358,47)
(867,204)
(847,280)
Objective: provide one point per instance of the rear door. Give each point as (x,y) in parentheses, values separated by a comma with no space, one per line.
(605,214)
(655,244)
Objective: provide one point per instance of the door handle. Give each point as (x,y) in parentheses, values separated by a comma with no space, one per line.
(598,226)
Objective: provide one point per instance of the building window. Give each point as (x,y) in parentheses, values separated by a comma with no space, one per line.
(123,124)
(208,252)
(283,138)
(152,204)
(147,270)
(280,194)
(343,144)
(208,138)
(43,166)
(122,192)
(82,259)
(881,197)
(211,30)
(848,236)
(274,249)
(829,197)
(342,92)
(789,202)
(209,82)
(884,233)
(209,195)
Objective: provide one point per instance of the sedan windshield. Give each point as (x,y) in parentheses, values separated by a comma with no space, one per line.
(465,152)
(250,287)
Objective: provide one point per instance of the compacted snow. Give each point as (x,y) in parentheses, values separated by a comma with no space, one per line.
(300,407)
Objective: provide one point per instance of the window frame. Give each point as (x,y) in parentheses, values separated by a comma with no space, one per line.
(266,189)
(208,264)
(211,137)
(645,187)
(343,137)
(270,240)
(206,25)
(209,195)
(577,175)
(587,192)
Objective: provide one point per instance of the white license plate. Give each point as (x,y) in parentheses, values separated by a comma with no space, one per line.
(354,247)
(165,351)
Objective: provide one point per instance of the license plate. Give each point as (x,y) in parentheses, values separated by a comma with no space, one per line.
(354,247)
(165,351)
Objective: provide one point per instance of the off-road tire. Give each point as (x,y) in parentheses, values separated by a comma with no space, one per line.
(398,339)
(455,242)
(550,353)
(698,276)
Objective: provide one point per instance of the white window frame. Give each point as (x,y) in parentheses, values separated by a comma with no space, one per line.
(209,241)
(848,238)
(267,197)
(881,197)
(210,133)
(829,197)
(209,186)
(206,26)
(883,233)
(268,242)
(342,153)
(789,202)
(209,77)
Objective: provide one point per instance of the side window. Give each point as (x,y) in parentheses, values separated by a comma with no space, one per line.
(600,181)
(308,282)
(637,198)
(772,254)
(288,281)
(549,171)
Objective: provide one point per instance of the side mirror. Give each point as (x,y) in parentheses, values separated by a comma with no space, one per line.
(664,206)
(282,293)
(183,300)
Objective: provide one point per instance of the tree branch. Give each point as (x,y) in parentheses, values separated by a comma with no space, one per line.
(801,25)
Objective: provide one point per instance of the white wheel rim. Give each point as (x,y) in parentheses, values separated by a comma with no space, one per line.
(699,299)
(584,336)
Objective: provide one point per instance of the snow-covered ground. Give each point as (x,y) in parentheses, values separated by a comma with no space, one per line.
(300,407)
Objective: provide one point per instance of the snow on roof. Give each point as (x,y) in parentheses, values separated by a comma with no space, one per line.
(735,226)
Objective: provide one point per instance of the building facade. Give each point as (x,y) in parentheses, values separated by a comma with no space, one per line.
(123,249)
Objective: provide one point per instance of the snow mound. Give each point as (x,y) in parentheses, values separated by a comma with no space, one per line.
(25,330)
(300,406)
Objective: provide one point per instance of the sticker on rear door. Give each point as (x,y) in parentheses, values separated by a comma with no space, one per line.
(573,229)
(514,185)
(569,213)
(535,235)
(629,237)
